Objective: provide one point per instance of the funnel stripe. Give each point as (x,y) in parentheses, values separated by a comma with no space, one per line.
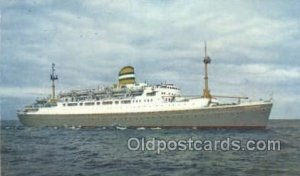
(126,76)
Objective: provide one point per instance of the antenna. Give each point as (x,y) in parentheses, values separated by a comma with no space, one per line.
(205,50)
(53,77)
(206,60)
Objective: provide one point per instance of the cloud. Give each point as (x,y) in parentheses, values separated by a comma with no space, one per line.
(23,92)
(253,45)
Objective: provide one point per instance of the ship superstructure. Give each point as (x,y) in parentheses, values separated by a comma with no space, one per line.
(133,104)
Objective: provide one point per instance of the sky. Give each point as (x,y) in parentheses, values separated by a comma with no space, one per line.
(254,46)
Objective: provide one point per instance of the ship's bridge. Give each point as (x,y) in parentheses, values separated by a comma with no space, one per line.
(169,89)
(168,92)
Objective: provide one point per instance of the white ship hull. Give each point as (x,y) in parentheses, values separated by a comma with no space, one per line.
(253,115)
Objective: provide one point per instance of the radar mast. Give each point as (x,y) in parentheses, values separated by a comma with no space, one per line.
(206,60)
(53,77)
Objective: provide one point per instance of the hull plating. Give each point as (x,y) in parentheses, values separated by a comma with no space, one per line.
(232,117)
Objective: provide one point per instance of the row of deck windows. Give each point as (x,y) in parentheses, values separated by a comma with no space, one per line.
(106,102)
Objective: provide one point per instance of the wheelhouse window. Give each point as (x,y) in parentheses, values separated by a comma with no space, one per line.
(151,94)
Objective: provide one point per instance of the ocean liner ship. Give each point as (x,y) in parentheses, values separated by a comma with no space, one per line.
(132,104)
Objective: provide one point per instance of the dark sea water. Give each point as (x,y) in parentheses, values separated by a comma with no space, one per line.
(97,151)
